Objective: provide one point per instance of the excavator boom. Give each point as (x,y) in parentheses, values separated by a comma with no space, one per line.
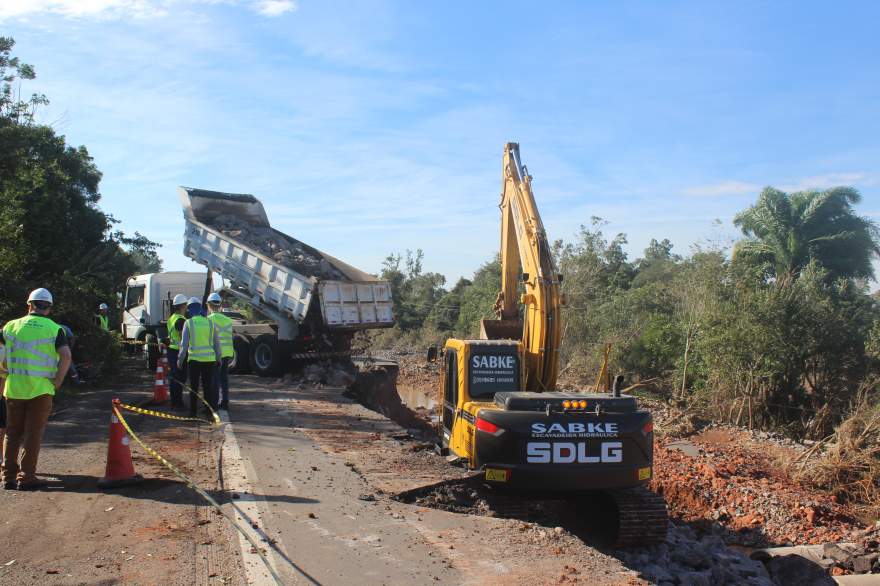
(527,262)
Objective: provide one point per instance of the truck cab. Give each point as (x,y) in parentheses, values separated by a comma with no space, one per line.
(147,306)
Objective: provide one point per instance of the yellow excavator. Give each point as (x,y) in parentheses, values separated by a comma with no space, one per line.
(502,416)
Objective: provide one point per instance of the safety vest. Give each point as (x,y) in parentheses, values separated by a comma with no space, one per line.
(105,323)
(31,357)
(224,332)
(173,334)
(201,339)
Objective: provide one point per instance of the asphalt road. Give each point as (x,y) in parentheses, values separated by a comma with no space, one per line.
(312,505)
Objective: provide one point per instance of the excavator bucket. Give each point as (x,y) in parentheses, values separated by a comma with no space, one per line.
(501,329)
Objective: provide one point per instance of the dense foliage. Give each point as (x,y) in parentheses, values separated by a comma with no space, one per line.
(52,232)
(778,333)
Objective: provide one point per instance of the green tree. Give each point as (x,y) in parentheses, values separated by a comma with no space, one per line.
(413,292)
(52,232)
(784,232)
(478,299)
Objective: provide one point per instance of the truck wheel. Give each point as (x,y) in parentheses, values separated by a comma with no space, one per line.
(241,362)
(266,359)
(151,351)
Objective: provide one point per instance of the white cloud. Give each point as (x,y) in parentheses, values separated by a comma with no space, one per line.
(827,180)
(118,9)
(723,188)
(275,7)
(82,8)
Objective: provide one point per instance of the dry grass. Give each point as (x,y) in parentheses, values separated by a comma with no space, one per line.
(847,463)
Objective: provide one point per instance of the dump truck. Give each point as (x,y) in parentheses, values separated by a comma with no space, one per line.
(312,302)
(501,412)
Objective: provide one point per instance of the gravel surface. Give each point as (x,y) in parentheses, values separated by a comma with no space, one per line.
(155,532)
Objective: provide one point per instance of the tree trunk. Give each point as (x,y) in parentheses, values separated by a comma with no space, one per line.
(684,370)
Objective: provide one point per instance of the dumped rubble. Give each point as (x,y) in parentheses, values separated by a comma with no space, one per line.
(376,389)
(283,249)
(688,559)
(735,485)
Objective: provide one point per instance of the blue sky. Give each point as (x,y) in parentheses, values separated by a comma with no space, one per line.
(372,127)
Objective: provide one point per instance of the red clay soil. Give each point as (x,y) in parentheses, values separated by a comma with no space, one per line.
(739,484)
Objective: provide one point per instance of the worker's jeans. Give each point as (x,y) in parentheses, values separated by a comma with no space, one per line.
(204,372)
(177,377)
(25,421)
(221,379)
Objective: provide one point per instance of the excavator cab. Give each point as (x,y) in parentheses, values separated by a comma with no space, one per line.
(473,372)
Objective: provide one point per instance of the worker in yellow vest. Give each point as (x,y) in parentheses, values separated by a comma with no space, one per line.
(37,358)
(102,319)
(223,325)
(200,350)
(172,342)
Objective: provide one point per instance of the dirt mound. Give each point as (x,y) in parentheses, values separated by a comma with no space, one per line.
(734,482)
(376,389)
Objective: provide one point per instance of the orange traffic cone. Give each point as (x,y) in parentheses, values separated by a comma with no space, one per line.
(120,469)
(160,388)
(165,364)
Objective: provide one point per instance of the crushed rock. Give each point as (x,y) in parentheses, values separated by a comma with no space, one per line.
(687,559)
(282,249)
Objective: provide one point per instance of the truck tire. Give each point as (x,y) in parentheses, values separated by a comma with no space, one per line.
(241,362)
(266,356)
(151,351)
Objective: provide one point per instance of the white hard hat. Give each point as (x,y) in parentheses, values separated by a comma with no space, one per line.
(179,299)
(214,298)
(103,306)
(40,295)
(194,300)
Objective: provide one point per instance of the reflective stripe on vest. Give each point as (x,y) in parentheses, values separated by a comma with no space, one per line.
(201,339)
(173,334)
(31,357)
(224,332)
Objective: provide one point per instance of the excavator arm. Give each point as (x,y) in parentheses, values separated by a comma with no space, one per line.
(526,260)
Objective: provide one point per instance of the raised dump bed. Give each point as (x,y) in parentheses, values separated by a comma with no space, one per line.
(307,292)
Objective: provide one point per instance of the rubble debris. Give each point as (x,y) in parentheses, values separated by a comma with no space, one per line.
(376,389)
(332,373)
(282,249)
(687,559)
(733,486)
(794,570)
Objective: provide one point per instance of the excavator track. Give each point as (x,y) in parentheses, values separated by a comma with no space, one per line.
(642,517)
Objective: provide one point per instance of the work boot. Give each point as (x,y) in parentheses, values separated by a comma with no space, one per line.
(10,485)
(32,485)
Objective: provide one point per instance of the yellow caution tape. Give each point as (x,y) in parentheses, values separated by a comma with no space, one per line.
(202,399)
(192,484)
(138,343)
(214,415)
(143,411)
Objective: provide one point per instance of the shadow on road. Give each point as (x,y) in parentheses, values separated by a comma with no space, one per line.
(164,490)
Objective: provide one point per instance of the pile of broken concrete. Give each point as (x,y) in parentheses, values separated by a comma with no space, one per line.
(815,564)
(281,249)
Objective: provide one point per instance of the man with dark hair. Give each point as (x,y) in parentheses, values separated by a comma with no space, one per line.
(37,359)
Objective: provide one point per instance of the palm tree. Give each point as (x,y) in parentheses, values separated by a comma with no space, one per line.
(784,232)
